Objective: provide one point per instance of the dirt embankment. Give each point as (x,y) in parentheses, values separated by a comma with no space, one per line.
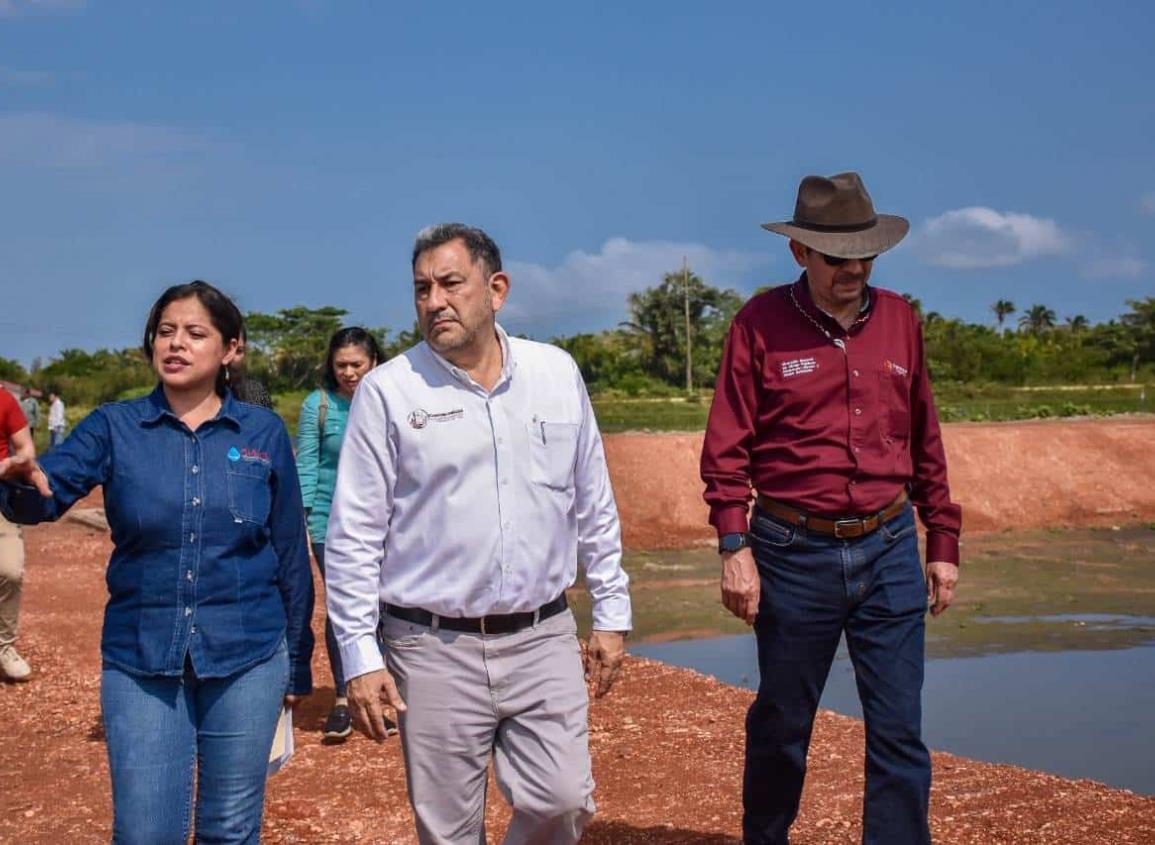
(1005,476)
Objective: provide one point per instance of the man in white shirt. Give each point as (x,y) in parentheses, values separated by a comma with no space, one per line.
(471,484)
(56,423)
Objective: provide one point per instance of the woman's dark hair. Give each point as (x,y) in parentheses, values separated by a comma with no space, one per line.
(351,336)
(224,314)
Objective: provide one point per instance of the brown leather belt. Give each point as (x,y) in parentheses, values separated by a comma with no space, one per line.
(844,529)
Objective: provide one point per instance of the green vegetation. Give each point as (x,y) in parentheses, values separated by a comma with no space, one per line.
(1003,402)
(654,370)
(956,402)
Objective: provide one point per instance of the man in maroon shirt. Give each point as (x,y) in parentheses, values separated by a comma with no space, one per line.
(823,415)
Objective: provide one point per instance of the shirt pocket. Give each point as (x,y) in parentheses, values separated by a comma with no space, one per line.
(249,495)
(894,399)
(553,453)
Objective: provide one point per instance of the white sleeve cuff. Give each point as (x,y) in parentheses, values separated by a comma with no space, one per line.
(361,657)
(613,614)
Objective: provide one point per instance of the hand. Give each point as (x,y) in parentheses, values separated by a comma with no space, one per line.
(741,586)
(603,659)
(22,469)
(941,576)
(367,695)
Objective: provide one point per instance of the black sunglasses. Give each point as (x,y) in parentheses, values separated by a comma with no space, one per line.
(835,261)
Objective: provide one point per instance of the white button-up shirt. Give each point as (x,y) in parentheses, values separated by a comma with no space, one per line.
(467,502)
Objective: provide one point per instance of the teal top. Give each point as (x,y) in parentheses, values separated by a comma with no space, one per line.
(317,455)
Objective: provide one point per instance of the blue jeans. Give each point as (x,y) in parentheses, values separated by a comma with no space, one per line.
(55,437)
(815,588)
(161,730)
(330,638)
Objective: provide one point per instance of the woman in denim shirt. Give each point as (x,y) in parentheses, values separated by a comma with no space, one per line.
(206,631)
(353,352)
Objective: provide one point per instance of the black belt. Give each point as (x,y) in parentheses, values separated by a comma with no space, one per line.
(498,623)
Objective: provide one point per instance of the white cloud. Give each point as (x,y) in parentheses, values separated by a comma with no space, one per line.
(1147,203)
(23,8)
(588,291)
(46,140)
(1115,268)
(15,78)
(970,238)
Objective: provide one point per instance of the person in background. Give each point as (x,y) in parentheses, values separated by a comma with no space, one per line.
(31,409)
(206,632)
(56,421)
(15,439)
(244,387)
(353,352)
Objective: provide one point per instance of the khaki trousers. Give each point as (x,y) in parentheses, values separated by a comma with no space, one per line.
(520,697)
(11,580)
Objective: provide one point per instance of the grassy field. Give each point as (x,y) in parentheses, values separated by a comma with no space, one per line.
(998,402)
(1033,591)
(955,402)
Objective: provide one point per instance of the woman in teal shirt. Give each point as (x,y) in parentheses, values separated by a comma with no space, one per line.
(353,352)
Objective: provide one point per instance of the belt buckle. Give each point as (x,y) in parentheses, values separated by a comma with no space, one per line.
(481,621)
(839,523)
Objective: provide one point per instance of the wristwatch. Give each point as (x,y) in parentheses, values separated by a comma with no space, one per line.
(729,543)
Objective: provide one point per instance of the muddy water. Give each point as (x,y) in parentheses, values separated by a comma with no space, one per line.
(1081,714)
(1046,659)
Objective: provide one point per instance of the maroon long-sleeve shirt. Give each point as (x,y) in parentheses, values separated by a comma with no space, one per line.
(830,422)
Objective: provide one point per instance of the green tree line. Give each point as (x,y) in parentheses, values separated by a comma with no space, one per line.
(646,355)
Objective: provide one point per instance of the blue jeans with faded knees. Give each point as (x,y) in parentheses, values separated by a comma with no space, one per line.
(814,589)
(161,730)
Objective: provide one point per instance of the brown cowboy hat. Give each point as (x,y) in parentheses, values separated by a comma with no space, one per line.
(835,216)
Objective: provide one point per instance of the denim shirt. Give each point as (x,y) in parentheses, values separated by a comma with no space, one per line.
(210,562)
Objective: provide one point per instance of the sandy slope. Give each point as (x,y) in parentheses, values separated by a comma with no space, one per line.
(1005,476)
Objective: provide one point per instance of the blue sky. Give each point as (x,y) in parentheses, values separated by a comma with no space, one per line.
(290,151)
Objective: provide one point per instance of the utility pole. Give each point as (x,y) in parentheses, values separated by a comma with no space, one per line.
(689,348)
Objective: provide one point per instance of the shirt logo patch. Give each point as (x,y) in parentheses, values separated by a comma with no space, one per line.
(421,418)
(249,456)
(798,367)
(897,369)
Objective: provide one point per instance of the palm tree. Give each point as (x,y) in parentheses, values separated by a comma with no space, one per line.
(1077,323)
(1003,309)
(1037,319)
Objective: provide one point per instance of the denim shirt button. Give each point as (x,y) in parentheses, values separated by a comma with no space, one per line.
(195,469)
(188,611)
(196,502)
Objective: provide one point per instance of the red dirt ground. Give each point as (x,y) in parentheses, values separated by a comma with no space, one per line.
(1005,475)
(667,743)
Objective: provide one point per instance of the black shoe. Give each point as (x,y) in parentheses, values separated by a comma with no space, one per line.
(339,724)
(390,727)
